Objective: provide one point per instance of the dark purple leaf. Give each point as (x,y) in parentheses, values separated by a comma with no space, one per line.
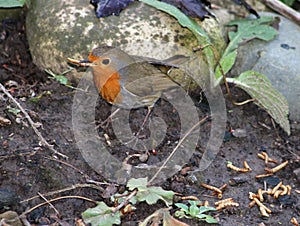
(247,6)
(105,8)
(193,8)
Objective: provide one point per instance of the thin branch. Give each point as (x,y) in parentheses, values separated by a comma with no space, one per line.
(124,203)
(64,190)
(67,164)
(176,148)
(56,199)
(283,9)
(50,204)
(32,123)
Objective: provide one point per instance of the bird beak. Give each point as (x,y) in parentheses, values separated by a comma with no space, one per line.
(80,63)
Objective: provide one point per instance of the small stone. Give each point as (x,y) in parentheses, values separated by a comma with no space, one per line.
(10,218)
(7,198)
(297,173)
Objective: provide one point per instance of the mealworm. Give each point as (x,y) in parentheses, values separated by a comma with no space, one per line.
(211,188)
(277,168)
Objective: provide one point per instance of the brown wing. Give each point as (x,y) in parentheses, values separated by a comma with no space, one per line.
(143,79)
(174,61)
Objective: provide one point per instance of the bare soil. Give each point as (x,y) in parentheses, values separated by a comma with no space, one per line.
(27,169)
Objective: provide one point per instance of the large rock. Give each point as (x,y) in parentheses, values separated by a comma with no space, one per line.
(279,60)
(60,29)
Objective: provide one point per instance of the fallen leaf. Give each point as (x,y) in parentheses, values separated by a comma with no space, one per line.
(192,8)
(105,8)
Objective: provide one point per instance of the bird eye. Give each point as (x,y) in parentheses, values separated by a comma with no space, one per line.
(105,61)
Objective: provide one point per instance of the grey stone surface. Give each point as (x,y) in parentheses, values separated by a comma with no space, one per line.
(60,29)
(279,60)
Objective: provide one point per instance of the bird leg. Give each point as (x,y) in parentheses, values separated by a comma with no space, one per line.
(108,119)
(144,121)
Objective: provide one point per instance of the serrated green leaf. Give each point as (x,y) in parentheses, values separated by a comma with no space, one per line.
(152,194)
(249,29)
(260,88)
(11,3)
(140,184)
(101,215)
(149,194)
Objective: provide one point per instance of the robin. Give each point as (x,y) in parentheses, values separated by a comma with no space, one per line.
(128,81)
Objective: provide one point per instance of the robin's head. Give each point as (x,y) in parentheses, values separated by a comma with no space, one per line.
(100,56)
(108,56)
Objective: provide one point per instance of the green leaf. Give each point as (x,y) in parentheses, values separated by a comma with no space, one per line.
(192,25)
(183,19)
(249,29)
(149,194)
(152,194)
(226,62)
(140,183)
(288,2)
(15,111)
(184,207)
(204,209)
(194,211)
(260,88)
(194,203)
(181,214)
(101,215)
(61,78)
(209,219)
(11,3)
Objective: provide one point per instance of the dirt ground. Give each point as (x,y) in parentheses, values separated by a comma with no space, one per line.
(28,169)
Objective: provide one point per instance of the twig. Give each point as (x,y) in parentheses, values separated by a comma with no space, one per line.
(228,89)
(56,199)
(124,203)
(30,153)
(283,9)
(33,125)
(50,204)
(225,81)
(67,164)
(176,148)
(24,221)
(64,190)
